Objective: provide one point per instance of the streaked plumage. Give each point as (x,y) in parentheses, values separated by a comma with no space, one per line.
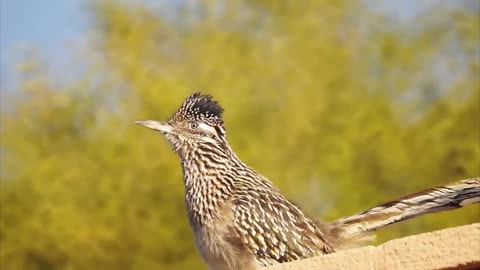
(241,220)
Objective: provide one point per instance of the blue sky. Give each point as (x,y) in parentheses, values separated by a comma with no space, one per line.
(39,23)
(47,25)
(51,24)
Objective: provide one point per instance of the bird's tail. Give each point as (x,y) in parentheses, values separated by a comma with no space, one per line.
(432,200)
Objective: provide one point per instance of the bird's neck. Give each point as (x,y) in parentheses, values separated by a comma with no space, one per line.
(209,175)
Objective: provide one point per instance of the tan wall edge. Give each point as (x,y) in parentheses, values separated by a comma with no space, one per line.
(453,248)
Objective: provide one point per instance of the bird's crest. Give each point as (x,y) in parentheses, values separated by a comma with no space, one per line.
(198,107)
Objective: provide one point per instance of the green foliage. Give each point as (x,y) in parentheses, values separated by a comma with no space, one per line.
(340,107)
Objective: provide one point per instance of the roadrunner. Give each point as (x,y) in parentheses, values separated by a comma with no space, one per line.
(242,221)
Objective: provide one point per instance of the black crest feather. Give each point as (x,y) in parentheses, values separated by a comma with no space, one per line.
(199,107)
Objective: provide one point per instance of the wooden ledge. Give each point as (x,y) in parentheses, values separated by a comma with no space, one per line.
(452,248)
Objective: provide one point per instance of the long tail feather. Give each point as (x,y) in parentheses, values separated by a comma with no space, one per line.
(432,200)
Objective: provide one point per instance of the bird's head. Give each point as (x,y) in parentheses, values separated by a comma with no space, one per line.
(197,122)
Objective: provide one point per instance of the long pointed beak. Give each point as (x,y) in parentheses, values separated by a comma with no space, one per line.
(163,127)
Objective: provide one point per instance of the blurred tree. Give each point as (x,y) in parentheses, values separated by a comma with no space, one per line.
(340,107)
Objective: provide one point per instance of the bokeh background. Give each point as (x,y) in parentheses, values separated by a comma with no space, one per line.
(342,104)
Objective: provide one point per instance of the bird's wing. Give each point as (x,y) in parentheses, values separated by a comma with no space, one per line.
(274,229)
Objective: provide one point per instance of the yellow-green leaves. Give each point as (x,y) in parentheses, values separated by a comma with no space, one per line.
(340,107)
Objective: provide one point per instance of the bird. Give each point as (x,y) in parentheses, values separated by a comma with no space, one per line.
(241,220)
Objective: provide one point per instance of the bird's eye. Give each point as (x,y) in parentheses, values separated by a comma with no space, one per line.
(193,125)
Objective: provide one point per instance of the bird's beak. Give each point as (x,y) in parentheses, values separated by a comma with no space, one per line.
(163,127)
